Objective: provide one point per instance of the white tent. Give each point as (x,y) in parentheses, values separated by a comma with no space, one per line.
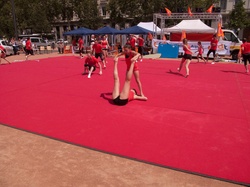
(150,26)
(190,26)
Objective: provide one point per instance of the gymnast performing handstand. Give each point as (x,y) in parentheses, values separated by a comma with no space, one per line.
(126,94)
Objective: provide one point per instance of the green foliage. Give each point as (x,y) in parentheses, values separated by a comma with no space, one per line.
(239,17)
(39,16)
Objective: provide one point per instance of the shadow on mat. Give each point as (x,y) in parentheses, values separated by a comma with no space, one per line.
(231,71)
(175,73)
(107,97)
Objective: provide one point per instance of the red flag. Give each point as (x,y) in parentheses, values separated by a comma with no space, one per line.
(183,35)
(168,12)
(210,9)
(189,11)
(220,33)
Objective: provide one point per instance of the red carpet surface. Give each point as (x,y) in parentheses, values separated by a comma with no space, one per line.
(199,124)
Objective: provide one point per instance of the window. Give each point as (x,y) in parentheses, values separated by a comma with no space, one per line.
(223,4)
(103,11)
(35,40)
(236,1)
(230,37)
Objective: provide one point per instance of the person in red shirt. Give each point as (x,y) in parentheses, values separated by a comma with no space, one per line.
(127,94)
(74,45)
(90,65)
(97,50)
(140,46)
(129,57)
(28,48)
(105,47)
(81,48)
(200,52)
(213,47)
(132,42)
(245,51)
(3,55)
(187,57)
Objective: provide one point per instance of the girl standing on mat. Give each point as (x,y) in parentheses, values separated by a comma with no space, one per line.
(245,51)
(200,52)
(129,55)
(187,57)
(97,50)
(126,94)
(105,47)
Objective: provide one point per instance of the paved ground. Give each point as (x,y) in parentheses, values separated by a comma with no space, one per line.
(29,160)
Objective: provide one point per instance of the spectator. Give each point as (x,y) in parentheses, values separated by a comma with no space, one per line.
(61,47)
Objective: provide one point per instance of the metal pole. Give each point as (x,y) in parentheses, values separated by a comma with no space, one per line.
(14,18)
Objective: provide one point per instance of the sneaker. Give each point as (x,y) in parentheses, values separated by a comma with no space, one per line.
(178,69)
(212,63)
(141,60)
(89,76)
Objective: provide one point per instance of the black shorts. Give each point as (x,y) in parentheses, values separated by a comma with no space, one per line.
(29,51)
(120,102)
(81,50)
(187,56)
(246,57)
(211,51)
(140,50)
(89,66)
(98,55)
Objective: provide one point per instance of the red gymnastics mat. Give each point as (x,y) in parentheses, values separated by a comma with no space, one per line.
(199,124)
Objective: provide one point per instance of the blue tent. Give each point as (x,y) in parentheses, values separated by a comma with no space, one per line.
(135,30)
(107,30)
(80,32)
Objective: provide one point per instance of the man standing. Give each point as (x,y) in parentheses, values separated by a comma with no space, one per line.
(245,50)
(80,43)
(140,46)
(28,48)
(213,47)
(132,42)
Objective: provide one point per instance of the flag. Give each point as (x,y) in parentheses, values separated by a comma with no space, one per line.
(189,11)
(168,12)
(183,35)
(210,9)
(220,33)
(150,37)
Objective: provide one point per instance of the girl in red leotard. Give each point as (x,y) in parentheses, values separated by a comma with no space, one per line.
(200,52)
(105,47)
(187,57)
(129,56)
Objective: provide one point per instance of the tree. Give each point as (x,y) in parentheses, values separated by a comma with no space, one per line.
(239,18)
(88,13)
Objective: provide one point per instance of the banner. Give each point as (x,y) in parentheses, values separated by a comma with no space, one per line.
(222,49)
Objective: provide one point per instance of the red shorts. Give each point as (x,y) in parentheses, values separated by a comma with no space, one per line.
(135,67)
(131,95)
